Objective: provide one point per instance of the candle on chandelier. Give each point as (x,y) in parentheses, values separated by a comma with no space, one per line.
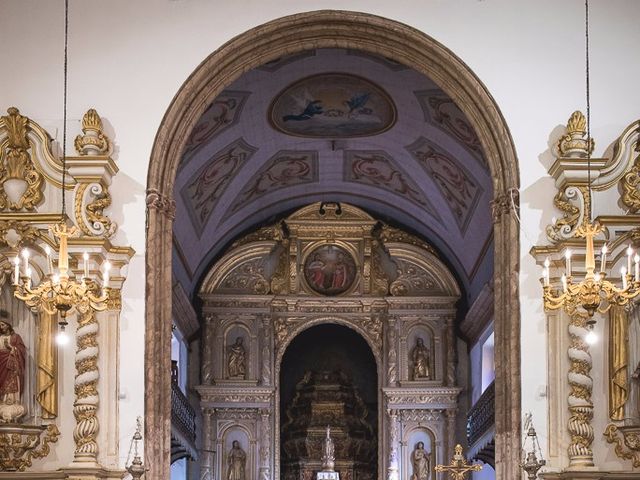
(28,274)
(623,274)
(107,267)
(47,250)
(16,270)
(25,258)
(85,257)
(564,282)
(629,255)
(567,257)
(597,277)
(636,260)
(603,258)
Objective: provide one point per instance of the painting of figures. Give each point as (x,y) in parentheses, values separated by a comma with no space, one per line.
(333,105)
(329,270)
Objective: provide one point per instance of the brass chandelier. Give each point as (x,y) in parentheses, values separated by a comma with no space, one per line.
(594,293)
(60,293)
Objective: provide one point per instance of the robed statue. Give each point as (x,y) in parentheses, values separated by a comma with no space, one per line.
(236,361)
(420,462)
(13,354)
(236,460)
(328,453)
(420,359)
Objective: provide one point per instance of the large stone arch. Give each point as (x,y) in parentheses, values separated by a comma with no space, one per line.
(324,29)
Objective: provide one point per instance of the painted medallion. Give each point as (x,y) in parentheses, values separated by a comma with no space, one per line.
(333,105)
(329,270)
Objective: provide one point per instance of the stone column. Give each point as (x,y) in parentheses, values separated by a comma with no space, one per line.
(85,406)
(394,437)
(160,213)
(208,336)
(266,340)
(207,453)
(506,231)
(265,445)
(580,404)
(392,352)
(452,354)
(451,431)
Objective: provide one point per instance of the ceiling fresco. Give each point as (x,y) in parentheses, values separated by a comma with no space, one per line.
(335,125)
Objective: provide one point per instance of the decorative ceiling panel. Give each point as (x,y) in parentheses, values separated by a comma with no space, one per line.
(441,111)
(377,168)
(453,180)
(285,169)
(438,186)
(223,113)
(204,189)
(333,105)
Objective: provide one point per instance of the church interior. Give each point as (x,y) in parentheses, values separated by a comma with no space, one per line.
(272,241)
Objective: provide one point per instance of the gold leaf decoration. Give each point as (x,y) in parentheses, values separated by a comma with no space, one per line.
(16,164)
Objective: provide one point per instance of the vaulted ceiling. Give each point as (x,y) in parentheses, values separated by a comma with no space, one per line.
(335,125)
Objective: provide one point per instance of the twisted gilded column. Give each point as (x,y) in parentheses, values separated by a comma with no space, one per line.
(580,404)
(85,407)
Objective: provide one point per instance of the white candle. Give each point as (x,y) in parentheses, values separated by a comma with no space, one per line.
(47,250)
(623,274)
(107,267)
(564,282)
(28,273)
(597,277)
(85,257)
(636,259)
(16,271)
(603,259)
(629,255)
(25,258)
(567,257)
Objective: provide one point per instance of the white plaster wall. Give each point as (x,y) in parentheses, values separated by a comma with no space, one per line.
(129,58)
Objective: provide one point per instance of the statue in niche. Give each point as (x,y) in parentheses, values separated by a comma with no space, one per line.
(420,462)
(328,453)
(13,354)
(236,461)
(236,361)
(420,358)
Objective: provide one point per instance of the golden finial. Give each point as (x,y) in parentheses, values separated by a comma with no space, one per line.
(94,141)
(573,143)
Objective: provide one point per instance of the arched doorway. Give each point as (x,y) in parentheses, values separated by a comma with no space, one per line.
(328,376)
(293,34)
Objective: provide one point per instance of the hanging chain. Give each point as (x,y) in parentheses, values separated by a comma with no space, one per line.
(64,109)
(588,94)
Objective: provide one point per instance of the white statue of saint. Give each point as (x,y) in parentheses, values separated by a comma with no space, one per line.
(328,453)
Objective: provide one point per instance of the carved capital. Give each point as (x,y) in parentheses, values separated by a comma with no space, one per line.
(162,203)
(504,202)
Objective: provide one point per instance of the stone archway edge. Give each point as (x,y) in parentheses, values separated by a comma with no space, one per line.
(287,35)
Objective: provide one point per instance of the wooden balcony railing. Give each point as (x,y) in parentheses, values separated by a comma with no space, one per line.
(482,416)
(183,417)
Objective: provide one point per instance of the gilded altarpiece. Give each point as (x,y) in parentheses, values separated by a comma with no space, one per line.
(31,192)
(327,264)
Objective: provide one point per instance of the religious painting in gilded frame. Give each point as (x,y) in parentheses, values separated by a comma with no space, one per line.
(329,270)
(333,105)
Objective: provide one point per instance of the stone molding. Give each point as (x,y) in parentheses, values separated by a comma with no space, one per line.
(292,34)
